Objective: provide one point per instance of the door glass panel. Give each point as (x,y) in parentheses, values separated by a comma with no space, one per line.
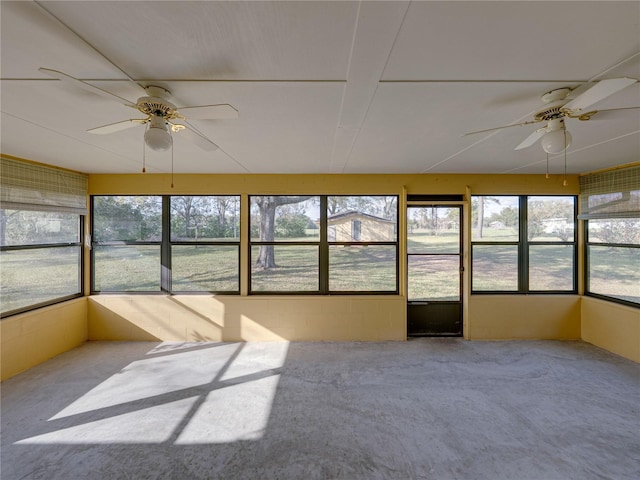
(433,247)
(433,230)
(434,277)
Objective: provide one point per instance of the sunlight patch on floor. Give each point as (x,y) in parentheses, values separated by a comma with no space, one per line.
(239,412)
(152,377)
(180,393)
(147,425)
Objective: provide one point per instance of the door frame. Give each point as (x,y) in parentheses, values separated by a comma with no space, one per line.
(465,224)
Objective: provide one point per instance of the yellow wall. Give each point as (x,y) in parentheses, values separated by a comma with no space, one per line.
(235,318)
(33,337)
(506,317)
(611,326)
(185,184)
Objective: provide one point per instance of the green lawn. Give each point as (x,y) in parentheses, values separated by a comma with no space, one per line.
(33,276)
(29,277)
(615,272)
(430,241)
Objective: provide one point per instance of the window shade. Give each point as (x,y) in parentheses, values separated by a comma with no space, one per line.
(612,194)
(27,186)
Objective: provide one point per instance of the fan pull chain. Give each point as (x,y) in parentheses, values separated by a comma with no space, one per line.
(144,150)
(564,181)
(171,161)
(547,174)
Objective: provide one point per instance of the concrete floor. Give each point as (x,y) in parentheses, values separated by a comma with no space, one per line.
(425,409)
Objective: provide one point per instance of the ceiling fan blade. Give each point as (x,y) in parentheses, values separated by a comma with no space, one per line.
(504,126)
(86,86)
(192,135)
(616,109)
(209,112)
(599,91)
(531,139)
(116,127)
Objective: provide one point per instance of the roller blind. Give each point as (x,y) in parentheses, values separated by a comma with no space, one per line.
(612,194)
(27,186)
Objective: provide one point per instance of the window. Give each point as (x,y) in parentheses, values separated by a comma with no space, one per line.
(41,258)
(205,243)
(355,226)
(495,240)
(41,225)
(523,244)
(363,255)
(551,243)
(170,243)
(285,244)
(324,244)
(611,207)
(127,238)
(613,253)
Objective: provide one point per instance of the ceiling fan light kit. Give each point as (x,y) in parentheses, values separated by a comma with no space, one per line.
(557,139)
(157,136)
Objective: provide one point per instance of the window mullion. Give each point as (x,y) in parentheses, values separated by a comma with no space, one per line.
(324,248)
(165,249)
(523,246)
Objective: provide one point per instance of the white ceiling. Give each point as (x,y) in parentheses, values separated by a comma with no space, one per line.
(322,87)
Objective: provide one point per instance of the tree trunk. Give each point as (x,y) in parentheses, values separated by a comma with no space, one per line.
(266,256)
(267,207)
(480,223)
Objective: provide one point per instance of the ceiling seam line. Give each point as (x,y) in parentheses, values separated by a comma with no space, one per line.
(612,67)
(344,90)
(472,80)
(87,43)
(366,113)
(173,80)
(63,135)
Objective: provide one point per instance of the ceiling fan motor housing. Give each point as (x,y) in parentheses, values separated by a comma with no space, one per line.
(156,103)
(156,106)
(554,101)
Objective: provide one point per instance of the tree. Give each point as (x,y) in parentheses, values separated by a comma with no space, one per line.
(508,216)
(189,209)
(552,215)
(337,204)
(477,212)
(619,230)
(267,206)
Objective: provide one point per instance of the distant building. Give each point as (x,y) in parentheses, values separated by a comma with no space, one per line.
(353,226)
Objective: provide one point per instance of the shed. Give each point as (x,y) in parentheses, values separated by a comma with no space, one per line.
(354,226)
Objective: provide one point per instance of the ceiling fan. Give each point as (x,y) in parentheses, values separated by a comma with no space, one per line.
(161,116)
(554,136)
